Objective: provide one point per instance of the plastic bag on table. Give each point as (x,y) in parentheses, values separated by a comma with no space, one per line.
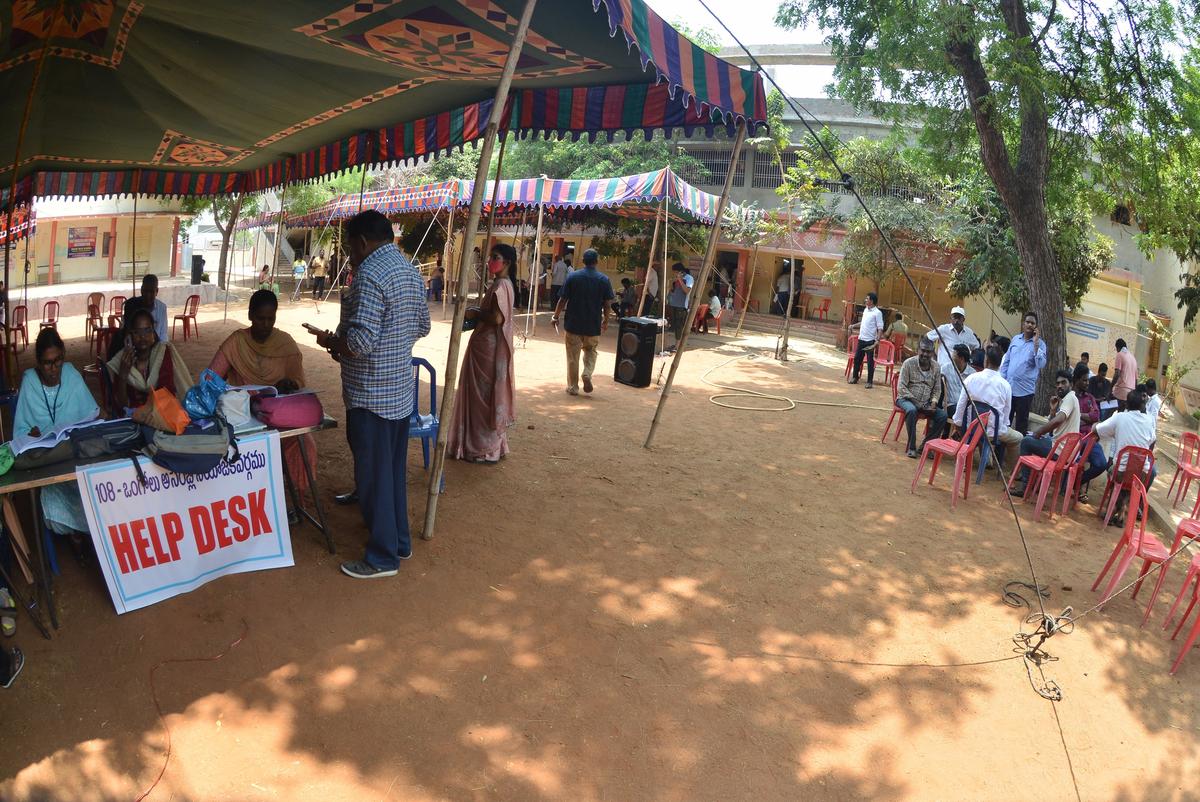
(202,398)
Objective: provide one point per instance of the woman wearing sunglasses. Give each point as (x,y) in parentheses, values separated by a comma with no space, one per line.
(485,405)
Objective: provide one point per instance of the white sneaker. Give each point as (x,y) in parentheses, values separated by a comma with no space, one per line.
(572,391)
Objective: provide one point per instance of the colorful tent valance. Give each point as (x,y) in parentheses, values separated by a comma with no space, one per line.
(22,225)
(628,193)
(175,97)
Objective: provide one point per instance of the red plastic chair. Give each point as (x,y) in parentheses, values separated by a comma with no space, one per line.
(885,357)
(1192,579)
(49,315)
(190,307)
(1047,471)
(851,347)
(93,323)
(1131,462)
(1075,472)
(1188,466)
(717,318)
(116,310)
(701,313)
(821,311)
(19,326)
(1188,529)
(962,451)
(1135,543)
(897,412)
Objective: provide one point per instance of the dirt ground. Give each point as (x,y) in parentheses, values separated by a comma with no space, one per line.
(598,621)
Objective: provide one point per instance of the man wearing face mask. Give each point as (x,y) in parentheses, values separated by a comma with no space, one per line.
(383,314)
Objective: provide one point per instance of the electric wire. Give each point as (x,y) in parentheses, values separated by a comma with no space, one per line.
(849,185)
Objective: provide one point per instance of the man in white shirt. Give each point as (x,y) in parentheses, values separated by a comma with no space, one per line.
(990,388)
(959,367)
(649,304)
(783,291)
(870,329)
(954,333)
(1129,427)
(1154,403)
(1064,419)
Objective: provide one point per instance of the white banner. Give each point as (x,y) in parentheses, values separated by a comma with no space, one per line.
(179,531)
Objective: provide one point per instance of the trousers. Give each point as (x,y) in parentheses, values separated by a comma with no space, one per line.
(865,348)
(911,414)
(380,450)
(589,346)
(1021,405)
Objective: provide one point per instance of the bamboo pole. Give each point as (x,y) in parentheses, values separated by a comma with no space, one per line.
(233,215)
(749,291)
(464,263)
(650,256)
(535,282)
(279,223)
(781,350)
(705,268)
(662,283)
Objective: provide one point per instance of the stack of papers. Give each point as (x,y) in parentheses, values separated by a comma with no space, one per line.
(23,442)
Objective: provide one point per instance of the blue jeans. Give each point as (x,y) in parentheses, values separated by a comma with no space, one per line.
(938,417)
(380,449)
(1097,463)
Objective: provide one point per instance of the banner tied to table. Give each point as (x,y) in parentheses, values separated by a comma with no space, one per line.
(178,531)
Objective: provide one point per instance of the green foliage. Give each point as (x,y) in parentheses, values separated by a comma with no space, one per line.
(304,198)
(703,36)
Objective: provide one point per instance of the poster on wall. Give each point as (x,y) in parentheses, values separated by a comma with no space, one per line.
(81,242)
(817,287)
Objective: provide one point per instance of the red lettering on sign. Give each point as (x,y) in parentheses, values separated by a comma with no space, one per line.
(220,524)
(123,546)
(160,555)
(136,528)
(202,529)
(241,527)
(258,513)
(173,526)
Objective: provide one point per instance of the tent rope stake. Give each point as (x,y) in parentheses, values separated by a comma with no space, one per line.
(464,264)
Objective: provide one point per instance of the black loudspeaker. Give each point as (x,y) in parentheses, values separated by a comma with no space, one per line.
(635,351)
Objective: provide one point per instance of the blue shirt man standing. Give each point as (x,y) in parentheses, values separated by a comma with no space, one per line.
(1024,360)
(383,315)
(585,296)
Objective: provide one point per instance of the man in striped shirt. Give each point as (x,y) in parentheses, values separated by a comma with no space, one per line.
(383,315)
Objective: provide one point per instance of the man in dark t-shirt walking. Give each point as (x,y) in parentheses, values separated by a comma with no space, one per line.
(585,296)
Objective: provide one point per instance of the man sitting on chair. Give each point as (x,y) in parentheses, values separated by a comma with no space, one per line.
(990,388)
(920,390)
(1129,427)
(1064,419)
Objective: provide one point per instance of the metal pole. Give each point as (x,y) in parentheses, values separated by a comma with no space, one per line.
(781,350)
(447,252)
(662,284)
(133,236)
(650,256)
(464,263)
(709,254)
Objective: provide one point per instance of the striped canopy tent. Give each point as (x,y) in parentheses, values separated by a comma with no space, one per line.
(632,195)
(22,225)
(174,97)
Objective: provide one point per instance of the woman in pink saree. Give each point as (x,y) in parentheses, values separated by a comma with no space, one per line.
(485,405)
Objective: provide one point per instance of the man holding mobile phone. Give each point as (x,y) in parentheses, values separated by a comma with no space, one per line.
(1024,360)
(383,315)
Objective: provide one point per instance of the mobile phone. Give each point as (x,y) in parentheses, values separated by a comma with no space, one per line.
(313,329)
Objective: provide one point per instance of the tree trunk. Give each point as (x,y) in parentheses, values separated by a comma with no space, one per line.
(222,271)
(1042,280)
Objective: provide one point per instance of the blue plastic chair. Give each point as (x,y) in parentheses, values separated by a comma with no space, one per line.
(427,431)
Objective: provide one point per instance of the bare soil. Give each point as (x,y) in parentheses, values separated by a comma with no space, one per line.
(733,614)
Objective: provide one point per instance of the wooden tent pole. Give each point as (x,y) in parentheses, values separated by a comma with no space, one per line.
(749,291)
(464,263)
(279,223)
(781,349)
(133,235)
(709,254)
(650,256)
(535,279)
(662,283)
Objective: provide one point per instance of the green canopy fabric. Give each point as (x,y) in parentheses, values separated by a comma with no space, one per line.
(179,97)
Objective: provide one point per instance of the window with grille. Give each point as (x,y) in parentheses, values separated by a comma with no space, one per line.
(716,162)
(766,171)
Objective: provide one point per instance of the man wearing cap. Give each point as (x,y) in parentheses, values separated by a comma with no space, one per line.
(954,333)
(585,296)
